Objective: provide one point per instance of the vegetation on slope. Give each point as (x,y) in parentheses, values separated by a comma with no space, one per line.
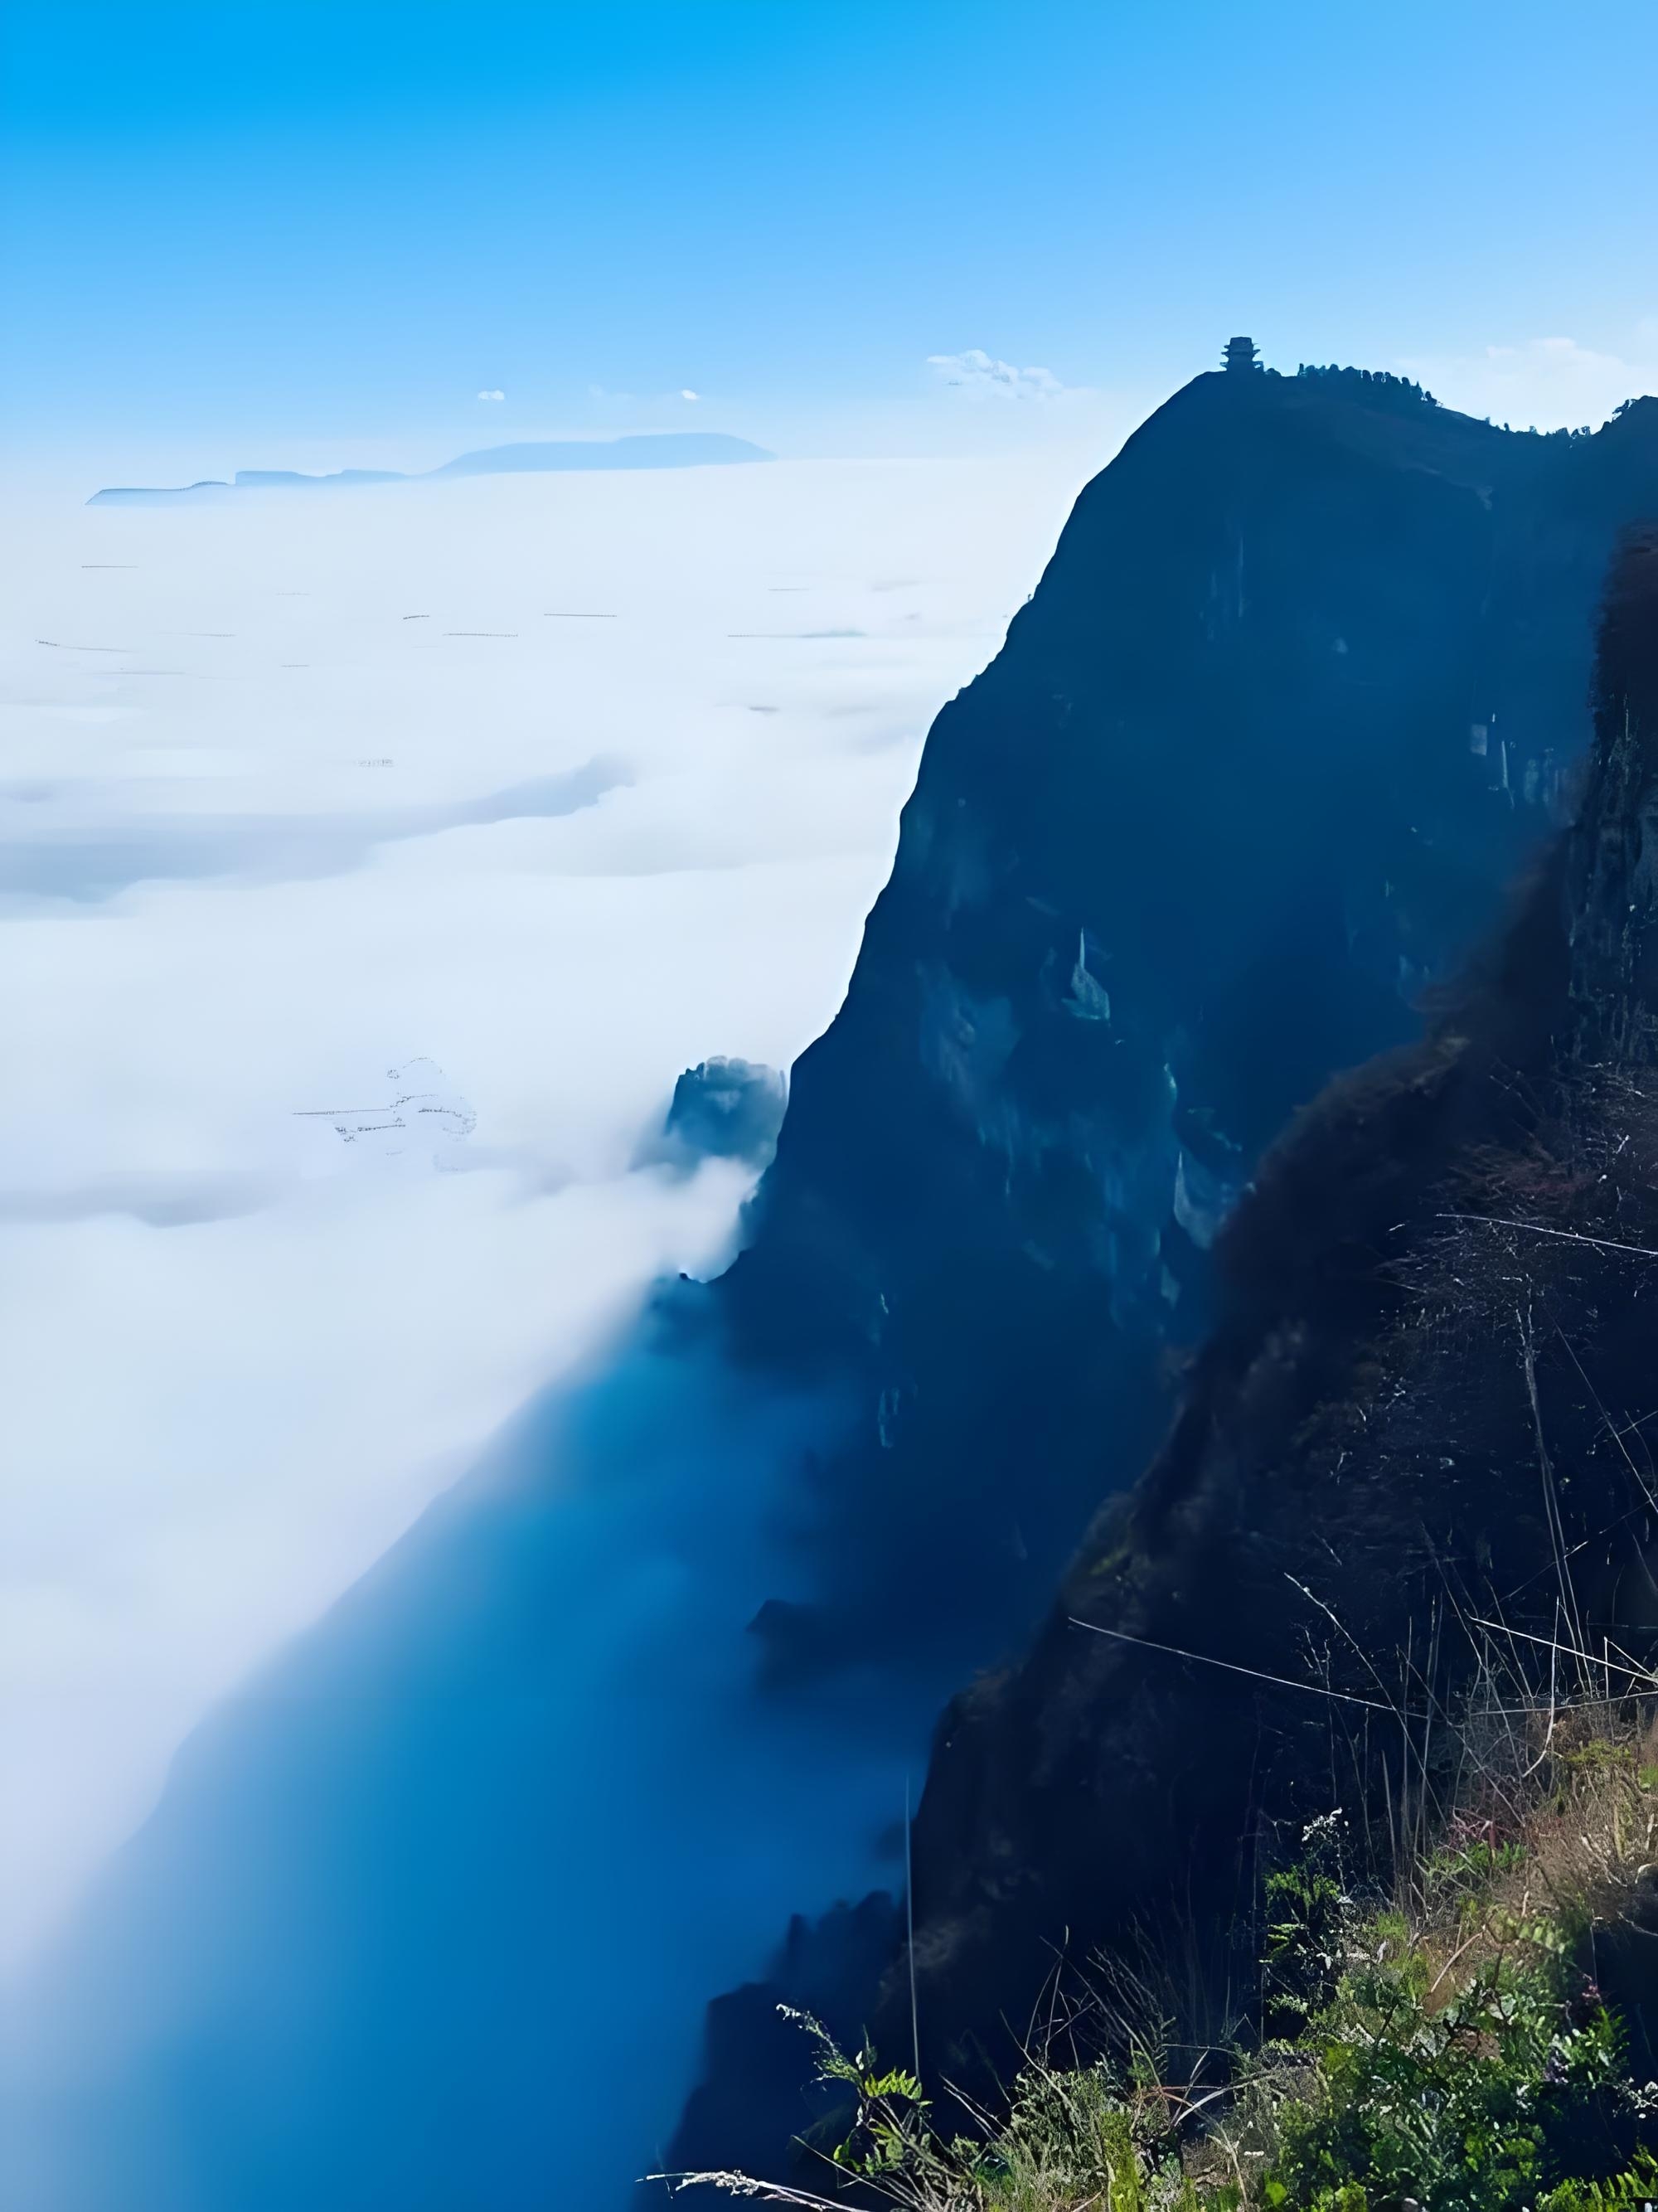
(1459,2039)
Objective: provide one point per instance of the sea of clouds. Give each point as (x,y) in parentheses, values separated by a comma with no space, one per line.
(370,865)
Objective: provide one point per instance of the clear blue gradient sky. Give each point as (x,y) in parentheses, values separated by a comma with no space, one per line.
(230,224)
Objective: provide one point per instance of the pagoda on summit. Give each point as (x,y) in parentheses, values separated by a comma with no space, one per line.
(1241,357)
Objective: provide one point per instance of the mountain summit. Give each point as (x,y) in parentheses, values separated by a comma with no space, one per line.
(1304,684)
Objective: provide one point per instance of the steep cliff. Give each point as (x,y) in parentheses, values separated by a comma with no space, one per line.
(1426,1407)
(1298,692)
(1305,684)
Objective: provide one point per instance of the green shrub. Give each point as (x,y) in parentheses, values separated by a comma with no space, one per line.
(1445,2053)
(1636,2190)
(1075,2139)
(1473,2106)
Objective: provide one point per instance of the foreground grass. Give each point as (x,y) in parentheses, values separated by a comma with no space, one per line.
(1445,2047)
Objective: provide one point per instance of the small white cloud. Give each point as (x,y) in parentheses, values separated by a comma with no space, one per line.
(648,401)
(1556,383)
(492,395)
(976,371)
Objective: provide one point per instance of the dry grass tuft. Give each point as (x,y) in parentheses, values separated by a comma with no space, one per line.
(1462,1988)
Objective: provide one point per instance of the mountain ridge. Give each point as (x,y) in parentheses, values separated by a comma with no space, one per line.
(1301,692)
(664,449)
(1413,1416)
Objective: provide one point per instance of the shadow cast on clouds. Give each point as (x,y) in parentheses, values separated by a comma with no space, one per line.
(91,863)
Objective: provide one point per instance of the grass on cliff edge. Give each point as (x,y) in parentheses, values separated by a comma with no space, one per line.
(1442,2047)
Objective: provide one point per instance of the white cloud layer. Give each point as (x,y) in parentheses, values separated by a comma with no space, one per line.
(528,780)
(492,395)
(976,372)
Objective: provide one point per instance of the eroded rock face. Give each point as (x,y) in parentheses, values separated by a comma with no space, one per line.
(1305,685)
(1421,1408)
(756,2094)
(723,1109)
(1300,689)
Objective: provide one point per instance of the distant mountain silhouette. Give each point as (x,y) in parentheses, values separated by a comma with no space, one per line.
(667,449)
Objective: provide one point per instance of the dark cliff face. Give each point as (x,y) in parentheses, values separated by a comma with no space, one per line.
(1305,684)
(1425,1404)
(1302,684)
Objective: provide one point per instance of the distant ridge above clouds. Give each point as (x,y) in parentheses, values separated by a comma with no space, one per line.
(662,449)
(667,449)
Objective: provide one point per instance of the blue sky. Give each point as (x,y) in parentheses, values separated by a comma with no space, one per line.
(260,228)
